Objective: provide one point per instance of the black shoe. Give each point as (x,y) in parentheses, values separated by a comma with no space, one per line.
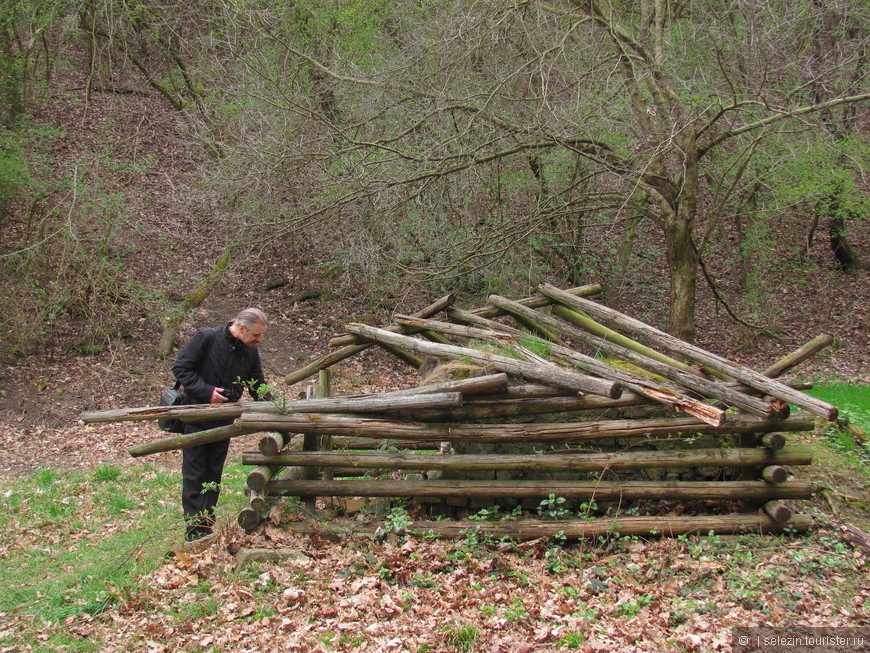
(194,534)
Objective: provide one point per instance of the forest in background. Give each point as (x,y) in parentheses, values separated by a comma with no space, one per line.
(700,159)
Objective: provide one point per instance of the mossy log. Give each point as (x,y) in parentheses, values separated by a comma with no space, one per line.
(738,372)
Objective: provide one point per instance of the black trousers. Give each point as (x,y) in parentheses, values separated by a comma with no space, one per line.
(201,465)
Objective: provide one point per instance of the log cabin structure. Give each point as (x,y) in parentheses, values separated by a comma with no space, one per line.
(584,420)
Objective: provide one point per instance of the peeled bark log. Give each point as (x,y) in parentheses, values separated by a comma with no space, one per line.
(580,490)
(562,462)
(729,368)
(375,403)
(592,529)
(549,375)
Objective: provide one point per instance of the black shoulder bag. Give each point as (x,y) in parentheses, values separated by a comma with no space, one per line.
(171,397)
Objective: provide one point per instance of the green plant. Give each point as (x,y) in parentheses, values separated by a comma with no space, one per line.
(398,520)
(553,507)
(463,637)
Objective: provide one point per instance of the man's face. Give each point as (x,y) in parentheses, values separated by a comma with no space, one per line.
(251,336)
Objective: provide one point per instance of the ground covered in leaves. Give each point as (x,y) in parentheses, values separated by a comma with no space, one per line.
(409,594)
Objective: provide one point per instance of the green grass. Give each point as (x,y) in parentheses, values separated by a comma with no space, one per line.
(852,400)
(77,542)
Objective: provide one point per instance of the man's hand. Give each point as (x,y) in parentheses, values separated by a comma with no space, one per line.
(217,397)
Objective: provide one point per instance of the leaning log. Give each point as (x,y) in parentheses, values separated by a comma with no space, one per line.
(604,429)
(581,490)
(551,462)
(694,382)
(641,386)
(592,529)
(544,374)
(738,372)
(187,440)
(352,349)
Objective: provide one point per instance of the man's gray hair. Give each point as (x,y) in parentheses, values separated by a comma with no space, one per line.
(251,317)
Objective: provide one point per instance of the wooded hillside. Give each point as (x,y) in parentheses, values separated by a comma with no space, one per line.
(164,164)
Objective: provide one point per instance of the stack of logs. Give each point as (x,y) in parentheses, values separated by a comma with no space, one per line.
(563,355)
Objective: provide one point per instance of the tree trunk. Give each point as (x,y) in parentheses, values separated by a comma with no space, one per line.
(174,318)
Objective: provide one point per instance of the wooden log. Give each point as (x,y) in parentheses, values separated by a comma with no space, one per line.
(561,462)
(259,476)
(738,372)
(374,403)
(708,388)
(538,300)
(593,529)
(191,439)
(856,537)
(495,408)
(249,518)
(798,356)
(257,501)
(544,432)
(581,490)
(774,474)
(273,442)
(538,432)
(771,440)
(641,386)
(778,511)
(549,375)
(488,384)
(596,329)
(343,443)
(351,350)
(198,412)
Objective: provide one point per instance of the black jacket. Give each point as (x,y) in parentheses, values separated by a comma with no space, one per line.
(214,358)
